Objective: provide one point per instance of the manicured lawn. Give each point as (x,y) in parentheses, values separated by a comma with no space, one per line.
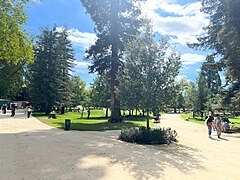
(96,122)
(198,120)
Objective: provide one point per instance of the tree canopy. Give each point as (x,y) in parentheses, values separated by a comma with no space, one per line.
(149,73)
(15,44)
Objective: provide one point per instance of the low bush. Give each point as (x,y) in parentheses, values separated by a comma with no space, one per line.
(142,135)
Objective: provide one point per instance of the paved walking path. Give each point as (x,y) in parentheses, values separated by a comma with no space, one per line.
(30,150)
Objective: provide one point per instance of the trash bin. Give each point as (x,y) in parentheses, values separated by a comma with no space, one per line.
(67,124)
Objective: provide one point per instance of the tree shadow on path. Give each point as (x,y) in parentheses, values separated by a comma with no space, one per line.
(60,154)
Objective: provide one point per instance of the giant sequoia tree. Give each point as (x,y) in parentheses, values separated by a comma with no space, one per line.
(116,23)
(49,75)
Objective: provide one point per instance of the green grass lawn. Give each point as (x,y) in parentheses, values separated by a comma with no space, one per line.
(198,120)
(96,122)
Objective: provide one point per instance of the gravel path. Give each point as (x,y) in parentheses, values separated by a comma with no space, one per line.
(30,150)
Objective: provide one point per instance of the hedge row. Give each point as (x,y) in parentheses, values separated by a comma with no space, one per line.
(143,135)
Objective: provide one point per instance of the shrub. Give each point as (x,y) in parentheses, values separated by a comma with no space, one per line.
(143,135)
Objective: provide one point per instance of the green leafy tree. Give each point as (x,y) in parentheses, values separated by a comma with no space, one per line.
(15,47)
(49,75)
(101,96)
(11,79)
(78,87)
(203,101)
(149,73)
(117,22)
(191,97)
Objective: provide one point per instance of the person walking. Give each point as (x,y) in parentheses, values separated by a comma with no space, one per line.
(29,111)
(209,122)
(4,109)
(218,125)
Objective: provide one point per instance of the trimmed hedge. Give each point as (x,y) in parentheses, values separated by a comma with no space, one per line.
(142,135)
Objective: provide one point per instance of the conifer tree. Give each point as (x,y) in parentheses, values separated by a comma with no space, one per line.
(49,75)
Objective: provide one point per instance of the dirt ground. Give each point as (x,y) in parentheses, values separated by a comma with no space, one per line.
(30,150)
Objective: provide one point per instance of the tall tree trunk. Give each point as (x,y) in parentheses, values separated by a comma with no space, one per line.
(115,103)
(106,115)
(63,110)
(175,110)
(82,112)
(148,127)
(47,109)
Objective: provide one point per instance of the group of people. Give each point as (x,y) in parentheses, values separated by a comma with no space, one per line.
(28,110)
(214,123)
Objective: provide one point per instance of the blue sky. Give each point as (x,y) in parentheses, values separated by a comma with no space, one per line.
(180,20)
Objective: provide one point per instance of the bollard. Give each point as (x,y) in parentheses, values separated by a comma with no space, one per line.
(67,124)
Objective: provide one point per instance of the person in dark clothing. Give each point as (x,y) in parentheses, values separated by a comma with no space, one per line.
(13,111)
(4,109)
(157,118)
(209,122)
(29,111)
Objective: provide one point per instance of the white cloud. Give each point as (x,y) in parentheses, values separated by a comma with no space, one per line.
(80,39)
(82,64)
(184,23)
(192,58)
(81,67)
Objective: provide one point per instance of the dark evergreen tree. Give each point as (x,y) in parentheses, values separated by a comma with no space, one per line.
(117,22)
(210,69)
(49,75)
(223,34)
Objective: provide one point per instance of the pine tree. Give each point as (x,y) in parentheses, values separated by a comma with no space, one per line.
(210,69)
(223,34)
(49,75)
